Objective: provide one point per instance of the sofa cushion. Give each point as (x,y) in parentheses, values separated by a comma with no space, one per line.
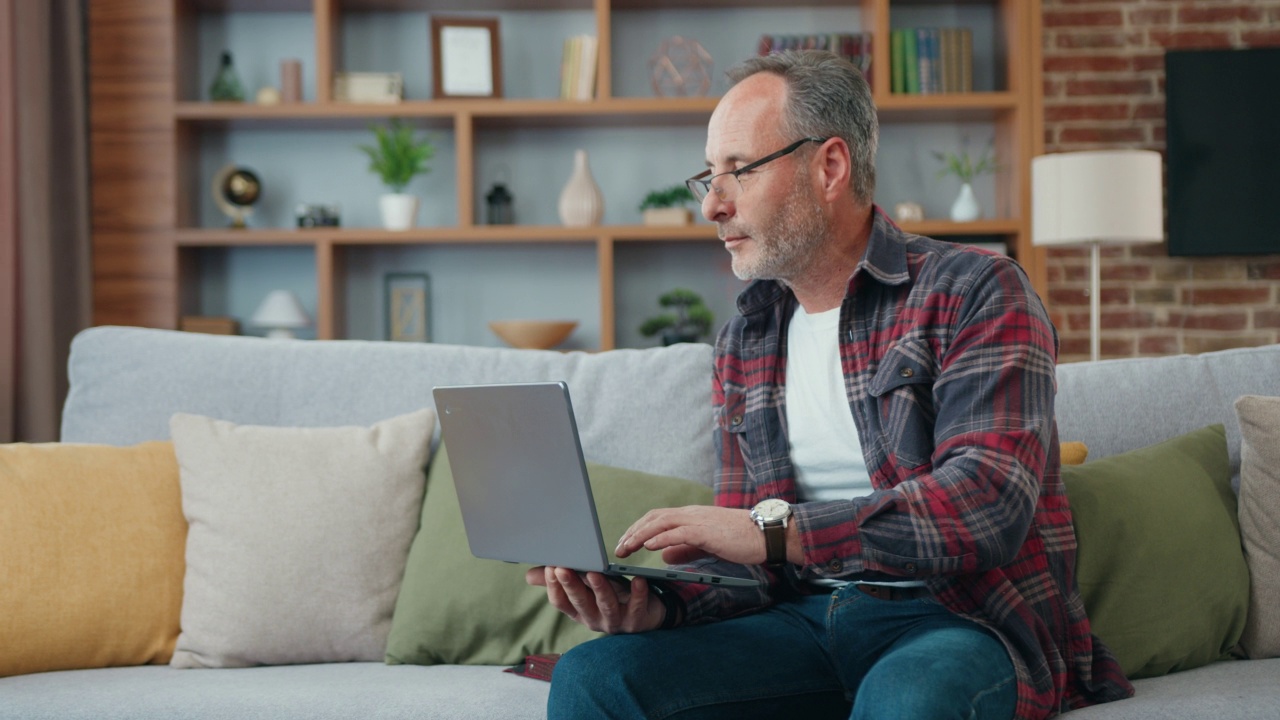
(455,608)
(298,537)
(90,556)
(1160,567)
(1260,521)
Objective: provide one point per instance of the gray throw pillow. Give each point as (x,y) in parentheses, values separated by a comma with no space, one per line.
(298,537)
(1260,521)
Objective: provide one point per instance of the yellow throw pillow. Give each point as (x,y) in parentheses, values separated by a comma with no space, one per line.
(1074,453)
(92,546)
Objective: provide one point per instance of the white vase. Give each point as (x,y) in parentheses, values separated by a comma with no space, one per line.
(399,210)
(966,207)
(581,202)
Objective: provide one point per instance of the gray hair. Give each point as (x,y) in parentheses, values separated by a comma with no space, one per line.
(826,97)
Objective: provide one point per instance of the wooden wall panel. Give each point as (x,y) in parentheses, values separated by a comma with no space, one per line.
(131,94)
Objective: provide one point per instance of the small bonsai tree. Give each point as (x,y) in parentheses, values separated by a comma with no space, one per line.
(674,196)
(963,166)
(690,321)
(398,155)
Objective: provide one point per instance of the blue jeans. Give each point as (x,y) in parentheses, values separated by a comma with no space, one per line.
(828,656)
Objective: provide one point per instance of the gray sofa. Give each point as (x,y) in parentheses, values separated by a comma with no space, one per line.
(647,410)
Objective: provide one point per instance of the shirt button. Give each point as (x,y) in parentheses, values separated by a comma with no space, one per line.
(737,420)
(834,565)
(906,372)
(910,567)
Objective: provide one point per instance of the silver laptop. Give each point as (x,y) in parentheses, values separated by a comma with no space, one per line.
(522,482)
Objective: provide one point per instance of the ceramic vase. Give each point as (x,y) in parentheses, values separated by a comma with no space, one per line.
(966,207)
(399,210)
(581,202)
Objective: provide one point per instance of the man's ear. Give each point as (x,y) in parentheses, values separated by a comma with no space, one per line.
(835,169)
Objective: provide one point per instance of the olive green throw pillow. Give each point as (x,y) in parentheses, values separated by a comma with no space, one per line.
(1160,564)
(457,609)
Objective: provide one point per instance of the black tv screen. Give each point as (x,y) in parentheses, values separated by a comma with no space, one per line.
(1223,135)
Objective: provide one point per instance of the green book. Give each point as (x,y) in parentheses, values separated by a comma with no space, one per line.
(911,62)
(897,50)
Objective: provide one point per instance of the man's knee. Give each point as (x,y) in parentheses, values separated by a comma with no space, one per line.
(595,679)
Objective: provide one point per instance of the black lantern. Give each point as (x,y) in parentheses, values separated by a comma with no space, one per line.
(499,202)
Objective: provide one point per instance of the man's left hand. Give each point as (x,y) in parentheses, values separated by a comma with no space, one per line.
(688,533)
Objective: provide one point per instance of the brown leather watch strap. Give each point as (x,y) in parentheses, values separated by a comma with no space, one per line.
(775,545)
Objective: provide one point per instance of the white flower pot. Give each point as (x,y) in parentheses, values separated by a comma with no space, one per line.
(668,216)
(966,207)
(581,202)
(399,211)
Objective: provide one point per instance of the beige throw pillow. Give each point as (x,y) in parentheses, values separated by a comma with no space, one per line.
(298,538)
(1260,521)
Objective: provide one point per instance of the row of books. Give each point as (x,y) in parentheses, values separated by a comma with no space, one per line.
(854,47)
(578,68)
(926,61)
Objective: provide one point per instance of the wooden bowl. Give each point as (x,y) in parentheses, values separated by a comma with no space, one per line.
(533,334)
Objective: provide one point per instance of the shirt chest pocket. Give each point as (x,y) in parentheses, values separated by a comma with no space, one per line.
(732,417)
(903,391)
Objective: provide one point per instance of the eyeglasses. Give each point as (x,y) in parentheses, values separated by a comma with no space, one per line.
(703,183)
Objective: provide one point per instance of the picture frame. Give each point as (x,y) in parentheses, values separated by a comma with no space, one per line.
(407,307)
(466,57)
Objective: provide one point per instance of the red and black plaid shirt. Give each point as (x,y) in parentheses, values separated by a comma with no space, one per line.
(948,360)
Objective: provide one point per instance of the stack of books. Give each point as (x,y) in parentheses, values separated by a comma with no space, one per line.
(854,47)
(578,68)
(927,61)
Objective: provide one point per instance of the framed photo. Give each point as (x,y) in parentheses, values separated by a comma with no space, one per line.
(408,307)
(466,57)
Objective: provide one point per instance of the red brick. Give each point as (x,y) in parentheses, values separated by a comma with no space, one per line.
(1217,270)
(1202,344)
(1127,87)
(1260,38)
(1149,111)
(1209,321)
(1052,88)
(1114,320)
(1087,63)
(1148,63)
(1226,296)
(1267,270)
(1065,253)
(1190,39)
(1150,16)
(1131,271)
(1061,113)
(1266,319)
(1077,40)
(1159,345)
(1076,272)
(1054,273)
(1173,270)
(1063,296)
(1158,134)
(1097,135)
(1148,250)
(1082,18)
(1155,296)
(1076,347)
(1116,347)
(1192,15)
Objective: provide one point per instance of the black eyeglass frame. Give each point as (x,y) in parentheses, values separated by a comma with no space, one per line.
(700,184)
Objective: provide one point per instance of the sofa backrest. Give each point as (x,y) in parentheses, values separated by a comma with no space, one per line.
(647,410)
(1114,406)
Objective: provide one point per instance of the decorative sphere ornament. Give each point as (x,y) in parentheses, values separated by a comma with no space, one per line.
(681,67)
(235,190)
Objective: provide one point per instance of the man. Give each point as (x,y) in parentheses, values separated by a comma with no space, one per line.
(888,461)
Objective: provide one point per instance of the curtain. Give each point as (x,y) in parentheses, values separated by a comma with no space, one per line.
(45,293)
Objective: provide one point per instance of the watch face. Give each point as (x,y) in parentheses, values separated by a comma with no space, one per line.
(772,510)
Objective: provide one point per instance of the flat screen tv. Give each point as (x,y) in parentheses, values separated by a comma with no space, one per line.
(1223,138)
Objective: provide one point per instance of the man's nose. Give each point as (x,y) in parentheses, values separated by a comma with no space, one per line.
(715,209)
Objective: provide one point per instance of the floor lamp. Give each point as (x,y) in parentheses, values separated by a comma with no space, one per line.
(1095,197)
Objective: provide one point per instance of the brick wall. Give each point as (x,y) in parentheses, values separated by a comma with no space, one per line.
(1104,88)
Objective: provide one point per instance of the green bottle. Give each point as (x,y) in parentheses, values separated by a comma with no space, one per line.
(226,85)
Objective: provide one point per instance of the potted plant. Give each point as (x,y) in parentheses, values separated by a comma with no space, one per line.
(689,321)
(966,207)
(396,158)
(667,207)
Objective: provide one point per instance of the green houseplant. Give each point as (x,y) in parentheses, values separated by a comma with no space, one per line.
(962,165)
(396,157)
(667,206)
(689,320)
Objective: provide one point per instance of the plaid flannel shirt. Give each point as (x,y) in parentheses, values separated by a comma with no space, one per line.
(948,358)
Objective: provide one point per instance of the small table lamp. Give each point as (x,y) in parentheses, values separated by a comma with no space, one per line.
(1095,197)
(281,313)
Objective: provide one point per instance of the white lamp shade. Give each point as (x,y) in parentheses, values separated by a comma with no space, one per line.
(281,309)
(1097,196)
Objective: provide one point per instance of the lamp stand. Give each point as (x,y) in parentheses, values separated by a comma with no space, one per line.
(1095,300)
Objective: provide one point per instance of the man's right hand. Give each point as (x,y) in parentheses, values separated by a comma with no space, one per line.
(600,603)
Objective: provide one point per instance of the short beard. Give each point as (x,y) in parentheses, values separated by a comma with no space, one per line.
(786,244)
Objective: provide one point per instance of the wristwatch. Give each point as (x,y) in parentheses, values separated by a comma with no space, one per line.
(771,516)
